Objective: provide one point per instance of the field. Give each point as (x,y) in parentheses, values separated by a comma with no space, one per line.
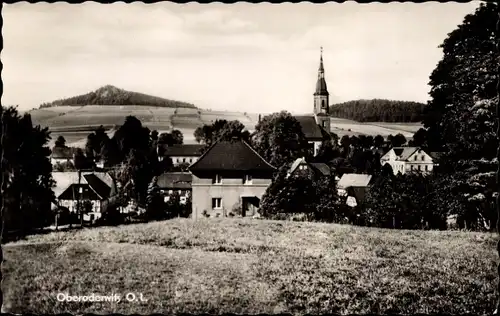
(63,120)
(252,266)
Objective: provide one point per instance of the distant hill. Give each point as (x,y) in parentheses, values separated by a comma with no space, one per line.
(379,110)
(111,95)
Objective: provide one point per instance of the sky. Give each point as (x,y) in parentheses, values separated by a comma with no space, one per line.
(240,57)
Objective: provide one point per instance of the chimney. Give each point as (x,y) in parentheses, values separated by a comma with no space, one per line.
(259,118)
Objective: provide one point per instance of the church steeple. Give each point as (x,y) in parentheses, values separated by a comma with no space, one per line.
(321,96)
(321,88)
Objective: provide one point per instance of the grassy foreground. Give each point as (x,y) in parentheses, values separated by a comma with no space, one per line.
(252,266)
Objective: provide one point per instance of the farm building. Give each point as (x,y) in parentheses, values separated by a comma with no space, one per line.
(300,167)
(354,187)
(72,188)
(409,159)
(230,177)
(180,182)
(186,153)
(61,155)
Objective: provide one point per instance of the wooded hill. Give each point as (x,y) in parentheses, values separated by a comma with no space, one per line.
(379,110)
(110,95)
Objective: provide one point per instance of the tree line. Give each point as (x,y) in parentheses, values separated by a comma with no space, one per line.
(378,110)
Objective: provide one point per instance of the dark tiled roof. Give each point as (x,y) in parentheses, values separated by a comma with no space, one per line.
(359,193)
(62,152)
(72,193)
(310,128)
(321,88)
(175,180)
(436,154)
(234,155)
(101,188)
(194,150)
(321,168)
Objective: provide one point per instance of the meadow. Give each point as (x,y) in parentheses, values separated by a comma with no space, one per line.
(63,120)
(252,266)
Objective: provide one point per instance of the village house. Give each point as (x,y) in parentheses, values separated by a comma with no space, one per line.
(73,188)
(180,182)
(409,159)
(301,168)
(354,187)
(62,155)
(229,178)
(180,154)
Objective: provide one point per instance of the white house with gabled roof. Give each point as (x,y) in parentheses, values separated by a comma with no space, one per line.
(409,159)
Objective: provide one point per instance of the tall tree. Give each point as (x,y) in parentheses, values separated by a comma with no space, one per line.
(463,89)
(27,173)
(60,142)
(132,135)
(279,139)
(221,130)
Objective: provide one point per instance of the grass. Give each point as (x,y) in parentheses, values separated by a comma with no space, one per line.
(253,266)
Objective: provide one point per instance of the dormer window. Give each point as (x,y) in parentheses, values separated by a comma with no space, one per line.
(217,179)
(247,179)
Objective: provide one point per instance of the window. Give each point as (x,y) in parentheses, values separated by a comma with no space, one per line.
(183,159)
(419,168)
(423,158)
(415,158)
(217,179)
(248,179)
(324,124)
(411,167)
(216,203)
(323,104)
(426,168)
(190,160)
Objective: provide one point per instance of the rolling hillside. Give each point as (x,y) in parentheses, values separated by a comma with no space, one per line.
(75,117)
(246,266)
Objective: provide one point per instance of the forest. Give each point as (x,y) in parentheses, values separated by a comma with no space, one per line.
(379,110)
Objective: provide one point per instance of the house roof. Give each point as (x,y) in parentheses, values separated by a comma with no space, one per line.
(175,180)
(296,164)
(99,186)
(436,154)
(65,179)
(321,168)
(72,192)
(404,152)
(354,180)
(194,150)
(233,155)
(317,167)
(359,193)
(62,152)
(310,128)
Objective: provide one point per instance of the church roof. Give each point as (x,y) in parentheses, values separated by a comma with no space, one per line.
(310,128)
(321,88)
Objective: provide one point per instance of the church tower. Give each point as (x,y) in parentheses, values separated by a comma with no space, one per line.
(321,105)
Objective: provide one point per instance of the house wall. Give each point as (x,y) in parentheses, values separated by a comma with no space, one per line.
(177,160)
(419,159)
(183,193)
(54,161)
(230,191)
(71,205)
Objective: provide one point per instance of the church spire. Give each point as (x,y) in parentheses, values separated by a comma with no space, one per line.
(321,88)
(321,70)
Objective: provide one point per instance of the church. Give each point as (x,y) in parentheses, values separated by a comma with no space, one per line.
(316,127)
